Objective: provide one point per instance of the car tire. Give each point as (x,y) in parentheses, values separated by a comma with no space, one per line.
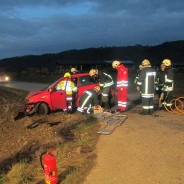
(43,109)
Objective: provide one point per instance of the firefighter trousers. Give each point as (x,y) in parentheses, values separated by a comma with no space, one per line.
(147,105)
(105,97)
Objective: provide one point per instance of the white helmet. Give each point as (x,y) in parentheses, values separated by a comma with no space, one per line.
(145,62)
(73,70)
(166,62)
(115,64)
(93,72)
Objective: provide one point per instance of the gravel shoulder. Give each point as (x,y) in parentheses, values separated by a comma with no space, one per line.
(143,150)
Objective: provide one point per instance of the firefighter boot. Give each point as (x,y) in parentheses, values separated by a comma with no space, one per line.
(105,105)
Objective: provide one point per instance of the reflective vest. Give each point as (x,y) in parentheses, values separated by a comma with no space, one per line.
(67,85)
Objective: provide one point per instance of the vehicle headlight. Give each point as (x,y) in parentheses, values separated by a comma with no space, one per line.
(7,78)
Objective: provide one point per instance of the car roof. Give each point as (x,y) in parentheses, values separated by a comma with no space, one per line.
(80,75)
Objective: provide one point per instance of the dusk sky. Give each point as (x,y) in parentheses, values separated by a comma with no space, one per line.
(50,26)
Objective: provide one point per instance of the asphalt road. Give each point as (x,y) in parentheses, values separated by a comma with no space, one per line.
(27,86)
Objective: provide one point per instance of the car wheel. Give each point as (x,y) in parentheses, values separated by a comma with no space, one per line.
(43,109)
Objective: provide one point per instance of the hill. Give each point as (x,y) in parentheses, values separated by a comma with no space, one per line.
(172,50)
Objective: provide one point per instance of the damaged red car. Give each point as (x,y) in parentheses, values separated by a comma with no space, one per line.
(51,99)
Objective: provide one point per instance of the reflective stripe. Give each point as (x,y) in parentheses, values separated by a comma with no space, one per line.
(147,95)
(168,104)
(107,84)
(139,83)
(122,104)
(151,73)
(148,74)
(168,88)
(88,92)
(80,109)
(147,107)
(85,101)
(104,94)
(122,83)
(68,98)
(168,80)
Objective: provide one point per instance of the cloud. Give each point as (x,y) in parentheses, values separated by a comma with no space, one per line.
(38,27)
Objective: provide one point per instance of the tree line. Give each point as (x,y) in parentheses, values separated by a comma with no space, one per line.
(173,50)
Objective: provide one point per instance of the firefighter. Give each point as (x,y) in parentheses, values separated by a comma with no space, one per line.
(122,84)
(147,85)
(94,75)
(137,77)
(73,71)
(69,86)
(106,82)
(135,82)
(160,78)
(168,82)
(89,99)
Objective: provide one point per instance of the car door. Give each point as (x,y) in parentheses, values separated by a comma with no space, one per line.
(58,97)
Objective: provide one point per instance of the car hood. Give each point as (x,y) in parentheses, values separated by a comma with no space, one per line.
(33,93)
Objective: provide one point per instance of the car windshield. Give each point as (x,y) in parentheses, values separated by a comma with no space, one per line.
(85,80)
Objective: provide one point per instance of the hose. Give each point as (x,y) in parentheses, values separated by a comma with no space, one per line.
(177,106)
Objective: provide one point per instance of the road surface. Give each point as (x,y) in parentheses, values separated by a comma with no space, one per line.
(27,86)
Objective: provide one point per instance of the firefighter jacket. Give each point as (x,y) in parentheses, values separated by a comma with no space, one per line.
(160,78)
(88,99)
(147,82)
(105,79)
(168,79)
(67,85)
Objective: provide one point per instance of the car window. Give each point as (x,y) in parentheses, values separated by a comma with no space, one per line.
(85,80)
(75,80)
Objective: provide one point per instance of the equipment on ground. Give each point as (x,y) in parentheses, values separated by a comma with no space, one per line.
(113,120)
(48,163)
(177,106)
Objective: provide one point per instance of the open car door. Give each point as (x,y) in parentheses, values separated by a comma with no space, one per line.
(58,97)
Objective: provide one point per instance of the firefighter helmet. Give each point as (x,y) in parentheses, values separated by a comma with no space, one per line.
(166,62)
(92,72)
(97,88)
(115,64)
(67,74)
(73,70)
(145,62)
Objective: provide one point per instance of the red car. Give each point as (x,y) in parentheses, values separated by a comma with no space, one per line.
(50,99)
